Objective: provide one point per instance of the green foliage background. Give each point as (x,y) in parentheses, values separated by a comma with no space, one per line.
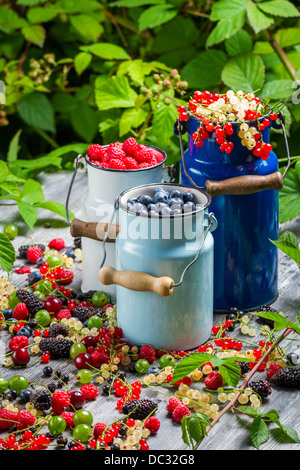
(83,71)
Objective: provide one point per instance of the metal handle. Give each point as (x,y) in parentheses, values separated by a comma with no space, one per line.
(80,167)
(240,185)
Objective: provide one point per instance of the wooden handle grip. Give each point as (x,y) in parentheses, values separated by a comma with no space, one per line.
(94,230)
(246,184)
(138,281)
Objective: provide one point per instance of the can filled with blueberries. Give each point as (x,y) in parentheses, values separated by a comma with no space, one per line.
(164,265)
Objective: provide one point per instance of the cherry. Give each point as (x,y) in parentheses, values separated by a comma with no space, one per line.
(83,361)
(77,399)
(89,341)
(53,304)
(21,357)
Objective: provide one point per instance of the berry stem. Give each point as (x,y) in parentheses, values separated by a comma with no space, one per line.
(247,379)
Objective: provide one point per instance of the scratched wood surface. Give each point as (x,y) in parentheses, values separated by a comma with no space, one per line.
(232,431)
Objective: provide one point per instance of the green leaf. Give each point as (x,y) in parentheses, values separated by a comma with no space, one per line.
(13,148)
(35,34)
(287,37)
(156,16)
(279,8)
(277,89)
(28,3)
(135,3)
(87,27)
(191,362)
(7,253)
(131,119)
(223,9)
(290,432)
(137,69)
(289,196)
(259,432)
(195,428)
(28,212)
(245,72)
(230,374)
(226,28)
(82,61)
(257,19)
(240,43)
(106,50)
(10,20)
(32,192)
(56,207)
(280,322)
(37,163)
(184,431)
(42,14)
(288,243)
(114,93)
(205,69)
(75,147)
(36,110)
(63,102)
(84,121)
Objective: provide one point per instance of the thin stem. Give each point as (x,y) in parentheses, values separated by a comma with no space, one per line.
(247,379)
(282,55)
(47,137)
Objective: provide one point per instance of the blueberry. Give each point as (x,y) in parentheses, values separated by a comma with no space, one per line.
(153,214)
(25,396)
(132,200)
(142,212)
(24,331)
(160,189)
(40,261)
(175,193)
(145,199)
(138,207)
(166,211)
(152,207)
(161,196)
(153,370)
(34,277)
(189,207)
(175,201)
(176,211)
(70,253)
(187,196)
(7,312)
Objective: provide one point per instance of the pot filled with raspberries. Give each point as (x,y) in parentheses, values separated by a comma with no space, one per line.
(230,154)
(110,170)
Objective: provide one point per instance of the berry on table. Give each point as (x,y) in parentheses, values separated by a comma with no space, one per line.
(213,380)
(147,352)
(57,244)
(20,312)
(179,412)
(153,424)
(33,254)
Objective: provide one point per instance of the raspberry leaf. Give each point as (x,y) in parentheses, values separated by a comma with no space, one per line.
(259,432)
(7,253)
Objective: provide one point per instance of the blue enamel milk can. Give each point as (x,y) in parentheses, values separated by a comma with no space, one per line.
(244,191)
(164,272)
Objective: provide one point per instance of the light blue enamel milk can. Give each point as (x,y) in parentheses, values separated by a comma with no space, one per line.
(164,272)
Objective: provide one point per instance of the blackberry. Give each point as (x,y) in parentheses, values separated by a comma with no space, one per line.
(23,249)
(86,295)
(244,367)
(261,387)
(84,313)
(287,378)
(51,387)
(57,347)
(42,400)
(266,321)
(30,300)
(139,409)
(58,329)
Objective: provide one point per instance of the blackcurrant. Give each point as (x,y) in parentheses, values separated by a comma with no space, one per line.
(47,371)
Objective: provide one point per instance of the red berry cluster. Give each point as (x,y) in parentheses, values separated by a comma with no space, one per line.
(128,155)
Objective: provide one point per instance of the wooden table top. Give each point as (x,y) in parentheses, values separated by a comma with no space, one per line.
(232,431)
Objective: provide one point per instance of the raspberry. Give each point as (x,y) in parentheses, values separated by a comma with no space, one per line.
(96,152)
(100,358)
(64,313)
(115,151)
(89,391)
(18,342)
(25,419)
(147,352)
(116,164)
(273,369)
(20,311)
(158,155)
(130,147)
(152,423)
(7,419)
(213,380)
(173,403)
(131,163)
(68,417)
(33,254)
(60,400)
(179,412)
(98,430)
(57,244)
(143,154)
